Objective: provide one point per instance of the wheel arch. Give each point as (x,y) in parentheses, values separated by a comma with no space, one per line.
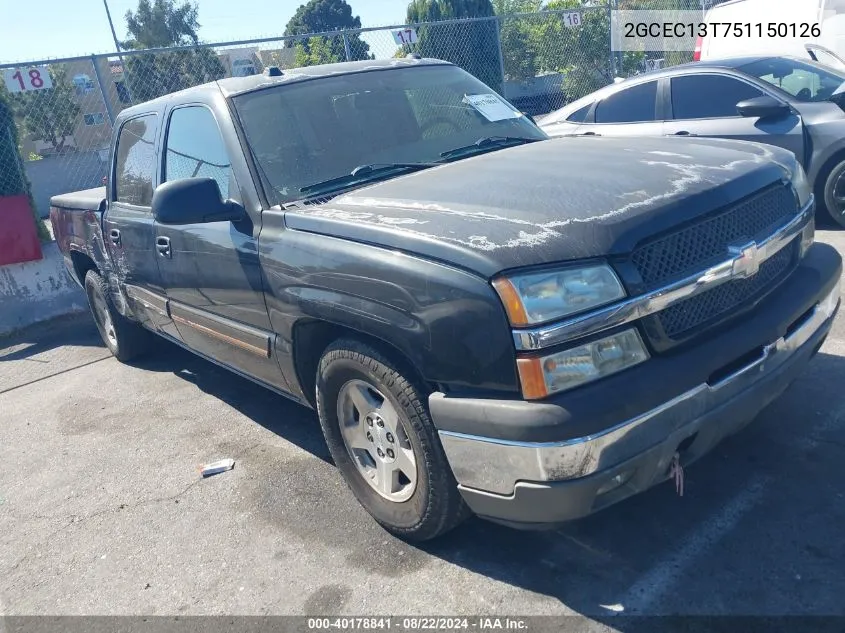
(821,177)
(311,338)
(82,263)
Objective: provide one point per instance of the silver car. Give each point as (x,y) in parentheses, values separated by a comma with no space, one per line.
(795,104)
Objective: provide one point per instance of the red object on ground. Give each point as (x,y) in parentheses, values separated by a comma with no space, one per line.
(18,238)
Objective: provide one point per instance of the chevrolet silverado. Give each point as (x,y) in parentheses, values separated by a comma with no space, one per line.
(486,320)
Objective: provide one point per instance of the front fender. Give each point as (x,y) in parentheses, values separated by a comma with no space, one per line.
(828,140)
(447,322)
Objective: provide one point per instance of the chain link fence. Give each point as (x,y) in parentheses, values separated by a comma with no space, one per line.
(64,109)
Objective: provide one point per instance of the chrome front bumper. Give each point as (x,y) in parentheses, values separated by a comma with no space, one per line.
(494,467)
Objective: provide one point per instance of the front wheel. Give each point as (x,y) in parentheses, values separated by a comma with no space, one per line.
(834,194)
(381,437)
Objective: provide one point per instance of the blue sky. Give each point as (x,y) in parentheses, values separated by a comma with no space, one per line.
(62,28)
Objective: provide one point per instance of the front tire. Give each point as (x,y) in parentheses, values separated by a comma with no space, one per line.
(124,338)
(381,437)
(833,194)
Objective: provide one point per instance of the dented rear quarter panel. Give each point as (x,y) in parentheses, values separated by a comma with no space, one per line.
(76,219)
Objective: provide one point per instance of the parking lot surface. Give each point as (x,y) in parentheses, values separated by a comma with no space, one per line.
(103,511)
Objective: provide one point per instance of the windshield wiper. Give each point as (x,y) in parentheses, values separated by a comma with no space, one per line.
(363,174)
(486,144)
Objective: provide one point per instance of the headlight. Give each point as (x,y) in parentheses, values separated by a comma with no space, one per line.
(801,184)
(544,296)
(543,376)
(808,236)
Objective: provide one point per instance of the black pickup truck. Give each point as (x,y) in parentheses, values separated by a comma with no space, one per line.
(485,320)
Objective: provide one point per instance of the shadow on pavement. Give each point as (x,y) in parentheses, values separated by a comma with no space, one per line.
(73,330)
(287,419)
(590,565)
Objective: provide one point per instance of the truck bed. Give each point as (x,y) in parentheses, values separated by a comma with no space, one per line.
(86,200)
(77,227)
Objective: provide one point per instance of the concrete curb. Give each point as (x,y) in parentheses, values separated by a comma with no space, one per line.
(36,291)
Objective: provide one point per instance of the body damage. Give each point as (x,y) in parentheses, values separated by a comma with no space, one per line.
(449,324)
(76,220)
(526,206)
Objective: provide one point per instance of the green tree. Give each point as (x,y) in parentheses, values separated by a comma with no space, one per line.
(315,50)
(582,53)
(472,45)
(517,34)
(163,23)
(13,180)
(50,115)
(319,16)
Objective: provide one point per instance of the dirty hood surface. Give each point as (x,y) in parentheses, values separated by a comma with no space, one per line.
(549,201)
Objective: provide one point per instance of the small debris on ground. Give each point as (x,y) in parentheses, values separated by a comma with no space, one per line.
(217,467)
(676,471)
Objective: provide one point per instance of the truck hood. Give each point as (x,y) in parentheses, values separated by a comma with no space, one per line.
(551,201)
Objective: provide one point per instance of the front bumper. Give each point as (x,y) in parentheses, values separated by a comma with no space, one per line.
(525,483)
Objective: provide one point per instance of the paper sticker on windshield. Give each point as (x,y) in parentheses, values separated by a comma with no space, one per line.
(491,107)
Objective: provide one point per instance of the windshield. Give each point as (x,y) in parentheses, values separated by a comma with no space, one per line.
(313,131)
(804,81)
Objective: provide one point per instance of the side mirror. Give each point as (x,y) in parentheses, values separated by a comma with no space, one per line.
(763,107)
(193,201)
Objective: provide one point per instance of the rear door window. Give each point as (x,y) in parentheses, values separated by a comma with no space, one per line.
(709,96)
(580,115)
(136,161)
(632,105)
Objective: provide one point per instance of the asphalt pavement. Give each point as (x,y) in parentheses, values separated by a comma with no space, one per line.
(103,510)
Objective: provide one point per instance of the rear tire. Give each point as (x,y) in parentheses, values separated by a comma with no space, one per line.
(124,338)
(833,194)
(381,437)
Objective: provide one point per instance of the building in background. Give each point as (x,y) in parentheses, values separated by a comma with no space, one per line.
(240,62)
(92,131)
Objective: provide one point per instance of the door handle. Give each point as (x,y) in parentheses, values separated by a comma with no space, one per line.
(591,134)
(163,246)
(684,133)
(114,236)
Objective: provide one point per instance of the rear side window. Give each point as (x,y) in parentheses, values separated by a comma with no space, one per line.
(633,105)
(579,115)
(709,96)
(136,163)
(195,149)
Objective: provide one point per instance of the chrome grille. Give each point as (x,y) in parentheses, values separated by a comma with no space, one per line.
(694,248)
(680,320)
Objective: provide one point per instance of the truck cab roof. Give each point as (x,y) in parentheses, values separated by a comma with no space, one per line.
(232,86)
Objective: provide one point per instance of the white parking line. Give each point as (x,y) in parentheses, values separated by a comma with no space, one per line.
(651,587)
(661,578)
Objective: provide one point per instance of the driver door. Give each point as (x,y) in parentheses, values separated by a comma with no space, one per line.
(210,270)
(705,105)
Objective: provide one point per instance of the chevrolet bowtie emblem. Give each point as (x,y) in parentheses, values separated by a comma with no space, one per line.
(746,261)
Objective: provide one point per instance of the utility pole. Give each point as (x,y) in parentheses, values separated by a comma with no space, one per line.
(111,26)
(119,56)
